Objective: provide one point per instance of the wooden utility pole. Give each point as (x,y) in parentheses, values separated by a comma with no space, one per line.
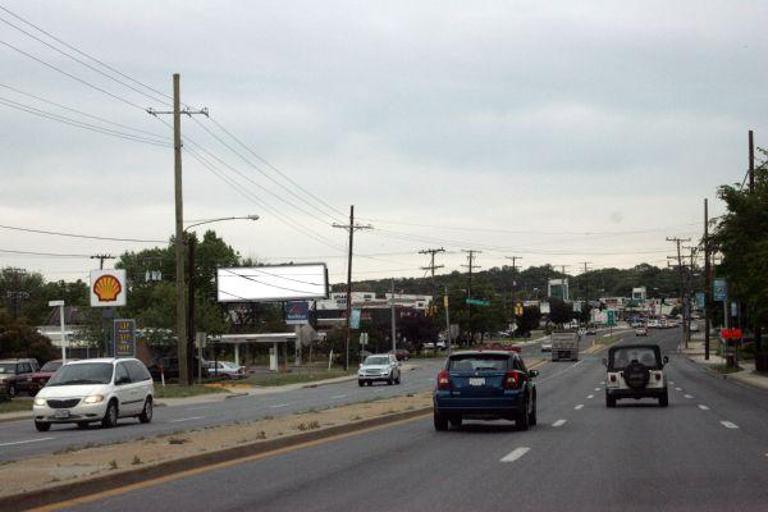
(182,340)
(707,281)
(393,319)
(683,294)
(470,259)
(101,258)
(751,162)
(514,272)
(351,227)
(432,267)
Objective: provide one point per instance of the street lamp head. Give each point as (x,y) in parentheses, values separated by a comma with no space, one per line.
(252,217)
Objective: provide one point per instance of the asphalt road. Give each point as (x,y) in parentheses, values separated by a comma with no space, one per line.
(706,451)
(19,439)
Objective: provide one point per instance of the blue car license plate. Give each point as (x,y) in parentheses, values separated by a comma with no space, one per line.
(477,381)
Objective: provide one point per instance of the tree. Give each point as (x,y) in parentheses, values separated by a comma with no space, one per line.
(741,235)
(19,339)
(528,321)
(560,312)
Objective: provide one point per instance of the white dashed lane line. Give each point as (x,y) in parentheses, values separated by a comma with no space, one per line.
(27,441)
(338,396)
(597,389)
(678,389)
(186,419)
(579,406)
(559,423)
(515,454)
(703,407)
(688,396)
(728,424)
(590,397)
(277,406)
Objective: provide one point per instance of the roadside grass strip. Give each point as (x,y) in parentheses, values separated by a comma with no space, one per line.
(515,454)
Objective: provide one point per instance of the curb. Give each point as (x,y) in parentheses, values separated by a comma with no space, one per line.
(79,489)
(27,416)
(329,382)
(726,376)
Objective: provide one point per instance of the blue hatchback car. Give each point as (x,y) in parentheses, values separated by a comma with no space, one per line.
(485,385)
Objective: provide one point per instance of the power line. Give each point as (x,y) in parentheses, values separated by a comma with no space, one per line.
(80,124)
(76,235)
(51,254)
(79,61)
(84,54)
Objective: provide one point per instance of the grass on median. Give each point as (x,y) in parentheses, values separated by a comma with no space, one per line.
(176,391)
(16,406)
(280,379)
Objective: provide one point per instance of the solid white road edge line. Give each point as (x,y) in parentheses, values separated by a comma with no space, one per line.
(728,424)
(703,407)
(515,454)
(579,406)
(27,441)
(278,406)
(559,423)
(338,396)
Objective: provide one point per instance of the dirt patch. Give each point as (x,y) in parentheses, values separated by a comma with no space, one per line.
(77,464)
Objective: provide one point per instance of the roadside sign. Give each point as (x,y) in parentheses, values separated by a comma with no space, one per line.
(108,288)
(297,312)
(544,308)
(519,309)
(611,314)
(478,302)
(124,340)
(354,319)
(700,300)
(719,290)
(363,338)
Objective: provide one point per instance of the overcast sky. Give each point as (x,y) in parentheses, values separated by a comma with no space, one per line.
(561,132)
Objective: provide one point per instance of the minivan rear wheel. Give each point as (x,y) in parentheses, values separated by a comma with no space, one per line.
(146,412)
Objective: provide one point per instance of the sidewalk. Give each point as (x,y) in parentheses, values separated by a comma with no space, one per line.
(747,374)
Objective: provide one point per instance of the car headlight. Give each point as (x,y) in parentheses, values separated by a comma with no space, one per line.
(93,399)
(40,401)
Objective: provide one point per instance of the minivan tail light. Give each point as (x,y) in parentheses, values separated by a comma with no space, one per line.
(443,380)
(512,379)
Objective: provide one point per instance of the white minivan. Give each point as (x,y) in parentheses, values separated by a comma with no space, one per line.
(95,390)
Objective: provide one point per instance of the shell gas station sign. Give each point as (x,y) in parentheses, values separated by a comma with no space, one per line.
(108,288)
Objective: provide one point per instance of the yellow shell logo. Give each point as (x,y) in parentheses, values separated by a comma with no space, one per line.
(107,288)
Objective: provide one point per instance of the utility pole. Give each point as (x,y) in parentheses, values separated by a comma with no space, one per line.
(563,267)
(751,162)
(683,295)
(707,281)
(471,259)
(514,272)
(393,325)
(351,228)
(181,299)
(101,258)
(447,320)
(432,267)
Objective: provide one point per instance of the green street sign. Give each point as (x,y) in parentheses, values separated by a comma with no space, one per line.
(478,302)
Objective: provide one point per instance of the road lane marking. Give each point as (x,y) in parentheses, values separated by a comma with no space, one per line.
(199,408)
(277,406)
(338,396)
(597,389)
(688,396)
(559,423)
(728,424)
(602,383)
(27,441)
(186,419)
(672,383)
(579,406)
(515,454)
(590,397)
(678,389)
(703,407)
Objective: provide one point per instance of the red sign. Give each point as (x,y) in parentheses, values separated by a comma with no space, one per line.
(731,334)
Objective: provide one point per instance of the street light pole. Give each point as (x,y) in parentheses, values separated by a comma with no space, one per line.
(60,304)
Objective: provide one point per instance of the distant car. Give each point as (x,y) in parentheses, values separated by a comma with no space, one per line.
(379,368)
(226,369)
(641,331)
(653,324)
(401,354)
(485,385)
(41,377)
(16,375)
(591,330)
(95,390)
(635,371)
(546,345)
(168,367)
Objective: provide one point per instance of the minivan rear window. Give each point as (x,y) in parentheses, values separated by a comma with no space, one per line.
(471,363)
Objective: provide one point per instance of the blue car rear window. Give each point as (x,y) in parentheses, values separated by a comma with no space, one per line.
(480,362)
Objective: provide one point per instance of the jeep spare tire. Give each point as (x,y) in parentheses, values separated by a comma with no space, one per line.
(636,375)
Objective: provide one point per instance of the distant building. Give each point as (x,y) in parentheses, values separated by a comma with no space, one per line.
(639,294)
(558,289)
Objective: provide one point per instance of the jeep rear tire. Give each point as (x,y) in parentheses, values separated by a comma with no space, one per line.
(636,375)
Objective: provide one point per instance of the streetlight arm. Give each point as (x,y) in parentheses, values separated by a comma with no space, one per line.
(247,217)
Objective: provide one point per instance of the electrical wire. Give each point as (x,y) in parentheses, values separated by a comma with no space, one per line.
(76,235)
(51,254)
(84,54)
(80,124)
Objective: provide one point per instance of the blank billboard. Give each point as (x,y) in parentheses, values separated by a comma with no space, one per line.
(272,283)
